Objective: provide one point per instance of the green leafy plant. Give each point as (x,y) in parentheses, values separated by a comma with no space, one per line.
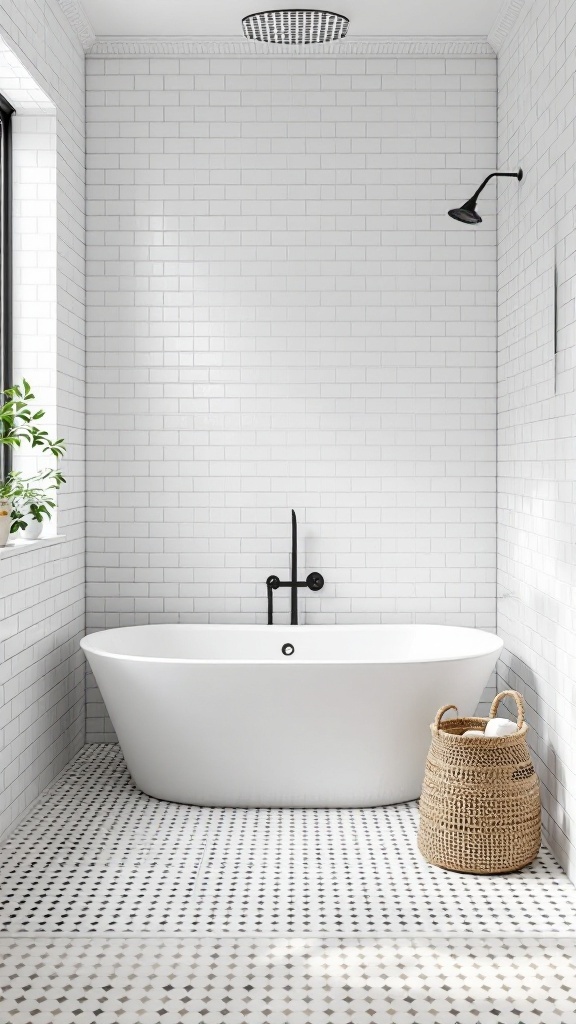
(31,497)
(18,422)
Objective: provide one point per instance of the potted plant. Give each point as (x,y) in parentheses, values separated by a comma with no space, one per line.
(31,500)
(26,500)
(5,512)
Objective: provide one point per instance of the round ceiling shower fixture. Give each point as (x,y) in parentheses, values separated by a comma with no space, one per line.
(293,27)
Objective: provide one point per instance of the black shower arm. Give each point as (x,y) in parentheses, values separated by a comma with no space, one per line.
(495,174)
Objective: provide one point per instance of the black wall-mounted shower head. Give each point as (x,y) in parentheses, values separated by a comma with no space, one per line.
(466,214)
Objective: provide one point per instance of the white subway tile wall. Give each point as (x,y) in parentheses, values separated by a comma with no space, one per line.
(281,315)
(42,591)
(537,399)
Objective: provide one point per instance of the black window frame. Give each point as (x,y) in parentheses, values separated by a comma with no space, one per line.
(6,364)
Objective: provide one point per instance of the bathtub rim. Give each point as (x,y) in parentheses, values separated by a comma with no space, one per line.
(496,649)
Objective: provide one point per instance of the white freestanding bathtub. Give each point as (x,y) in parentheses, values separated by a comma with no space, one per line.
(220,716)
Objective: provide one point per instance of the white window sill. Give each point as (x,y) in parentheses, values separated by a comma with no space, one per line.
(20,547)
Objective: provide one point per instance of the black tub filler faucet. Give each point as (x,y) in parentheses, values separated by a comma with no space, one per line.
(314,581)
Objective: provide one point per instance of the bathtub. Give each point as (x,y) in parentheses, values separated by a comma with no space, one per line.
(284,716)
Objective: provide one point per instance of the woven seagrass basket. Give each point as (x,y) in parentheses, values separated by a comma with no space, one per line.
(480,805)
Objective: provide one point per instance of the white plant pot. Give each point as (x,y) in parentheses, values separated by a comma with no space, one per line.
(5,521)
(33,530)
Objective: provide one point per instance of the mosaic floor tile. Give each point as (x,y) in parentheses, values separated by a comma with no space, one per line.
(96,856)
(287,981)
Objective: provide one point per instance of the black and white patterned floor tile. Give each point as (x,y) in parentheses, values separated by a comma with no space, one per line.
(96,856)
(287,981)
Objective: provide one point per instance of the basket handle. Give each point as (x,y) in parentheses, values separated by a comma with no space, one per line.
(440,714)
(519,704)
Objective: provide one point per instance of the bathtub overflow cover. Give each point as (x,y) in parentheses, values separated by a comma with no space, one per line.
(288,649)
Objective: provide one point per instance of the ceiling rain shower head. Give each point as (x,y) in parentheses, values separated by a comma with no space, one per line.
(466,214)
(292,27)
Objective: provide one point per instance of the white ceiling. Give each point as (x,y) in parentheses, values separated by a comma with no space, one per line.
(223,17)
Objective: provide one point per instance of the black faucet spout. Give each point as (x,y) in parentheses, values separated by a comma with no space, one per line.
(294,580)
(314,581)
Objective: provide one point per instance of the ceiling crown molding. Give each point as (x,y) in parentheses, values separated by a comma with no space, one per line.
(79,21)
(224,46)
(505,21)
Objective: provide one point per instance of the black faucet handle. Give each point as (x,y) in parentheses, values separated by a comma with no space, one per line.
(315,581)
(273,582)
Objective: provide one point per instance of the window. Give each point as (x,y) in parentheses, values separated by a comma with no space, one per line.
(6,112)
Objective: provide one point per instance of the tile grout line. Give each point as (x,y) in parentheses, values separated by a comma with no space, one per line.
(457,936)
